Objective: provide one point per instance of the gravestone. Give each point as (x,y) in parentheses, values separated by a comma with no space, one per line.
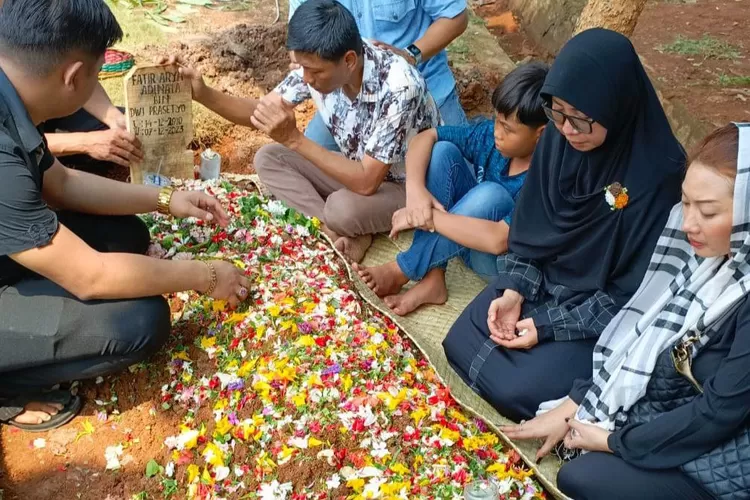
(158,101)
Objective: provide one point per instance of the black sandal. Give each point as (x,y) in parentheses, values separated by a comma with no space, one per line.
(71,406)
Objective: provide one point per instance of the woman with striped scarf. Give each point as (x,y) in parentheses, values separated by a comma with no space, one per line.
(666,413)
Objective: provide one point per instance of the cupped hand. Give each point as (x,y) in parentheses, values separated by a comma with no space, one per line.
(232,285)
(503,316)
(114,145)
(526,338)
(198,204)
(197,84)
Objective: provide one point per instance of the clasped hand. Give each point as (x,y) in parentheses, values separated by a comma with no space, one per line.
(503,321)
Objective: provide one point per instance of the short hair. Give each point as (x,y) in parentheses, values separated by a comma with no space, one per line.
(519,93)
(324,28)
(719,150)
(38,34)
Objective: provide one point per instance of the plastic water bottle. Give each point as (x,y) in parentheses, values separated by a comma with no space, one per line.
(210,165)
(481,489)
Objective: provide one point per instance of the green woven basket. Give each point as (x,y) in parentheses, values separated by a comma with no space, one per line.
(116,63)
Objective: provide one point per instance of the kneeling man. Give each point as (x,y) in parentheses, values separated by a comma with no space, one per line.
(372,101)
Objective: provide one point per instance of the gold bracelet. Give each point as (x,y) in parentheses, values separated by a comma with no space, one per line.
(164,199)
(214,279)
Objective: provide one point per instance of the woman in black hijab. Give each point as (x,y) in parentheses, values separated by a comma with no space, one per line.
(600,187)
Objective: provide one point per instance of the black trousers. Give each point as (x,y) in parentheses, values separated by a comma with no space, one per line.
(49,336)
(514,381)
(600,476)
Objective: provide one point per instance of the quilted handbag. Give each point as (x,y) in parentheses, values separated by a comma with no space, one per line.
(724,471)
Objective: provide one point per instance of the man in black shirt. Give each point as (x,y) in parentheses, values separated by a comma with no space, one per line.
(78,298)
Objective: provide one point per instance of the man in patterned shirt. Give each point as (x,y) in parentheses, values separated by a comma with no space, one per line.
(371,100)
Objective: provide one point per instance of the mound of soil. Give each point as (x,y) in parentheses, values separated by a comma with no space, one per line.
(246,52)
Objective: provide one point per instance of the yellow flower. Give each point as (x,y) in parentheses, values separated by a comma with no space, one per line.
(418,414)
(450,435)
(312,442)
(348,382)
(260,331)
(206,477)
(299,399)
(181,355)
(223,427)
(207,342)
(399,468)
(274,311)
(213,455)
(236,318)
(192,472)
(246,368)
(218,305)
(357,484)
(305,341)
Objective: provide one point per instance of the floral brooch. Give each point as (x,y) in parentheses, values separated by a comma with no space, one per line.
(617,196)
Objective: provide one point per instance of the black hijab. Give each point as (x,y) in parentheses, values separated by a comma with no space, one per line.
(562,219)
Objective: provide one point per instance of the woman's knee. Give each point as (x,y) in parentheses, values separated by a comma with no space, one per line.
(572,479)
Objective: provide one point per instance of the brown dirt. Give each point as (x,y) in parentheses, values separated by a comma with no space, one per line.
(692,81)
(245,52)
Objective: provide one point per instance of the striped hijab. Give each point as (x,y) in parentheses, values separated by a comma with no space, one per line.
(681,296)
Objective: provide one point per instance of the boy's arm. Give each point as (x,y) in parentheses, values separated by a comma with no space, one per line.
(418,158)
(478,234)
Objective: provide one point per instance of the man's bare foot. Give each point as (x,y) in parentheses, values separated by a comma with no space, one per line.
(431,290)
(354,249)
(333,235)
(383,280)
(37,413)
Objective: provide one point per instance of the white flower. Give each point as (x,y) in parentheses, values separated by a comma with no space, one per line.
(221,473)
(40,443)
(276,208)
(275,491)
(112,454)
(169,469)
(334,482)
(377,339)
(298,442)
(379,450)
(610,199)
(372,489)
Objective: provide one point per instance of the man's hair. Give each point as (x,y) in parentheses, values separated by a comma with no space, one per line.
(38,34)
(519,93)
(324,28)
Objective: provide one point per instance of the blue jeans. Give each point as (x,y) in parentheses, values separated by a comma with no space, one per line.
(451,181)
(451,112)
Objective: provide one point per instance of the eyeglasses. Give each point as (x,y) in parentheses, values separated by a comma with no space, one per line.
(582,125)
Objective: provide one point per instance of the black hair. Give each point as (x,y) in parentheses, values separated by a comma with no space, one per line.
(38,34)
(519,93)
(324,28)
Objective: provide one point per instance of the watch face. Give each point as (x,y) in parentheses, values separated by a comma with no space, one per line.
(414,50)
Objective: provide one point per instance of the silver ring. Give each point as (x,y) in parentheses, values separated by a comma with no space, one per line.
(243,292)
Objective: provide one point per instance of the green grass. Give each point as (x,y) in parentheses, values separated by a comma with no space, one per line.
(707,47)
(734,80)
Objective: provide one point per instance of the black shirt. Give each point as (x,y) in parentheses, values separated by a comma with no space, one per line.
(26,221)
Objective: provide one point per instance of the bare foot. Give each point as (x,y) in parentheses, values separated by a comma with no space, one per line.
(431,290)
(383,280)
(333,235)
(354,249)
(37,413)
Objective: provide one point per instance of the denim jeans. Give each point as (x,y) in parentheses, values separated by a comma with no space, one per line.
(451,112)
(451,181)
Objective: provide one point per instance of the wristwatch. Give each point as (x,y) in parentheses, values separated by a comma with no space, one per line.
(416,54)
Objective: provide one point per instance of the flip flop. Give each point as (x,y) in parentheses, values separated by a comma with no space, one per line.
(71,406)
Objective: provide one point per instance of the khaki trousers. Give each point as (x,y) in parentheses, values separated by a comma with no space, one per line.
(301,185)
